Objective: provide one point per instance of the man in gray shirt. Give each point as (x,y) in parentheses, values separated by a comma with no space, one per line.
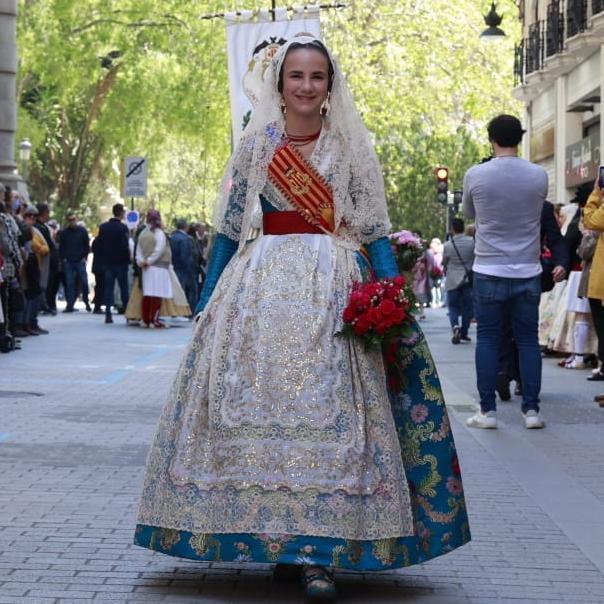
(505,197)
(458,257)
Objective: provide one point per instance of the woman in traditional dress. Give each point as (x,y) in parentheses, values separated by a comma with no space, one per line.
(162,295)
(280,442)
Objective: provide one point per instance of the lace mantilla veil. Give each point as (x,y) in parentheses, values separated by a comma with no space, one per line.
(355,174)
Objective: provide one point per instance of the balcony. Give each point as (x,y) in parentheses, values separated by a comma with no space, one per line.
(551,42)
(554,36)
(576,17)
(534,48)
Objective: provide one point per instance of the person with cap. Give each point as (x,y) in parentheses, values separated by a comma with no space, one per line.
(36,252)
(505,197)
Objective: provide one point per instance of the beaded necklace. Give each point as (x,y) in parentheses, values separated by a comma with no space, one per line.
(300,141)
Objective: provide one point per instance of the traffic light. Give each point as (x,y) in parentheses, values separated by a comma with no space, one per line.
(457,199)
(442,184)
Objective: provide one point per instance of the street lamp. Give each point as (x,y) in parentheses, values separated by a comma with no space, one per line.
(24,156)
(493,21)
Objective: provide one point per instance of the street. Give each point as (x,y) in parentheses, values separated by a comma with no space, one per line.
(78,408)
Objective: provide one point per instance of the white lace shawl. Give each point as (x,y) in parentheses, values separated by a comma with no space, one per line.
(344,155)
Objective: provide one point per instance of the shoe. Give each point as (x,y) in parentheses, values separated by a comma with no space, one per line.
(486,420)
(159,325)
(97,310)
(88,307)
(39,331)
(31,331)
(318,583)
(599,398)
(456,335)
(576,364)
(466,339)
(19,332)
(596,377)
(108,319)
(70,309)
(518,389)
(566,361)
(502,387)
(533,420)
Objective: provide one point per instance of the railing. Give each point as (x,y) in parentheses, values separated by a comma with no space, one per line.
(554,36)
(519,63)
(534,48)
(565,19)
(576,17)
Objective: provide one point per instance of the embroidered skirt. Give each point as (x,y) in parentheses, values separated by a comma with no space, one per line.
(280,442)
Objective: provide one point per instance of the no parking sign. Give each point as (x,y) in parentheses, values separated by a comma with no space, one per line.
(134,177)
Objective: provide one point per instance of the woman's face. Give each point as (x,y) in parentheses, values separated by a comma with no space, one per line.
(305,82)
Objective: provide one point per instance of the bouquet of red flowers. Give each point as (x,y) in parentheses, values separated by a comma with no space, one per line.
(379,311)
(436,272)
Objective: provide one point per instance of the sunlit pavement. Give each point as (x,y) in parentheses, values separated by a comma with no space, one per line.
(78,409)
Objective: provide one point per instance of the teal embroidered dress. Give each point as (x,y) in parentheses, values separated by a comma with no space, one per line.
(281,442)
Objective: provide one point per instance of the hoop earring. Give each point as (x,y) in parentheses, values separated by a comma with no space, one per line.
(283,106)
(325,105)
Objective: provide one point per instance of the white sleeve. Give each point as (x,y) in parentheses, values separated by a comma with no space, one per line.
(139,255)
(467,201)
(160,244)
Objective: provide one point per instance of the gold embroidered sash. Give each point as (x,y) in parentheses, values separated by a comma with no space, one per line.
(303,186)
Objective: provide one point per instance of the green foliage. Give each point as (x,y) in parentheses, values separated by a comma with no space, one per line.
(103,79)
(426,85)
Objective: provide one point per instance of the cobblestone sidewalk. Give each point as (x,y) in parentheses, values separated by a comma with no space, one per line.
(77,411)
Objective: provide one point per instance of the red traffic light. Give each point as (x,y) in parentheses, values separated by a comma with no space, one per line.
(442,184)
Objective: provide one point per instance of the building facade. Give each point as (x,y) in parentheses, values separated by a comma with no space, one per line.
(559,71)
(8,103)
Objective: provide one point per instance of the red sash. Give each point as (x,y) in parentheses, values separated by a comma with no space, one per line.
(303,186)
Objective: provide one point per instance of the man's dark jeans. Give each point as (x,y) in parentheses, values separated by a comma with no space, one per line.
(119,272)
(493,296)
(459,303)
(73,268)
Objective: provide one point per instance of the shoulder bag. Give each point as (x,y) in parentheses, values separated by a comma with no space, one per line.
(468,277)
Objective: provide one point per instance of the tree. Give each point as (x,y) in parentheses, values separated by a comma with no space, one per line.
(103,79)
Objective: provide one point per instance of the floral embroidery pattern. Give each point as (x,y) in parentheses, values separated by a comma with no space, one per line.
(432,470)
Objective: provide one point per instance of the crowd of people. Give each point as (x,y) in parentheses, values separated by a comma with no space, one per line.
(155,274)
(323,482)
(533,281)
(527,272)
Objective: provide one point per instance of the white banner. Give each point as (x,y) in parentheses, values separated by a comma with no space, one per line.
(252,40)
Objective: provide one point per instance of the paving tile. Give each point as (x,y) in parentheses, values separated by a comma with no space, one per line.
(71,473)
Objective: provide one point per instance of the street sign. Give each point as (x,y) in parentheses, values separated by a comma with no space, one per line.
(135,177)
(132,219)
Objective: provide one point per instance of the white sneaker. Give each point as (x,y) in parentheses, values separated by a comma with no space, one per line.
(532,420)
(576,362)
(486,420)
